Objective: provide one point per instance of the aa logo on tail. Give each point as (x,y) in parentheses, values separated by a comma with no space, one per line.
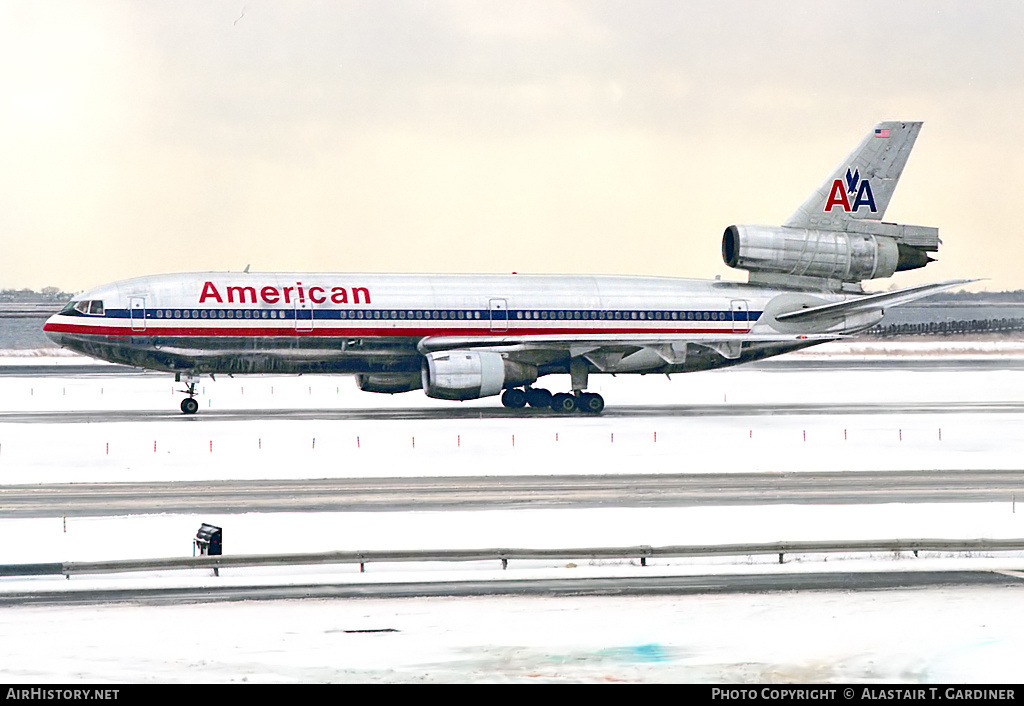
(854,187)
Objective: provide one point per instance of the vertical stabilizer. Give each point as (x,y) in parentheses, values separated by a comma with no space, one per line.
(862,185)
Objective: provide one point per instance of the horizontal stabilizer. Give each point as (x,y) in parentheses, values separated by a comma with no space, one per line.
(869,302)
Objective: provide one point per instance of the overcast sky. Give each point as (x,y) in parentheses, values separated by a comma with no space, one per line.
(428,135)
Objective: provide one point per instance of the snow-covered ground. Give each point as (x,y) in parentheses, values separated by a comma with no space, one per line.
(964,634)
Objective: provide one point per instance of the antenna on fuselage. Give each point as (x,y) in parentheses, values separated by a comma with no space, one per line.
(246,270)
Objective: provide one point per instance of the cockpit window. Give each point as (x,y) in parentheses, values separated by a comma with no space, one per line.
(94,306)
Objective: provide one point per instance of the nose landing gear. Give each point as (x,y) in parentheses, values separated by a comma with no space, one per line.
(189,405)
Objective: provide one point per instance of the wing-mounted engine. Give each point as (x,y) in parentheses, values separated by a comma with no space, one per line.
(468,375)
(804,257)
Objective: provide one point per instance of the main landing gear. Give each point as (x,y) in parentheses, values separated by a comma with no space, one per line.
(566,403)
(189,405)
(586,402)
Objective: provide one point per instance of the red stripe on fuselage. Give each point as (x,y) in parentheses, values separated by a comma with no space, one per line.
(376,332)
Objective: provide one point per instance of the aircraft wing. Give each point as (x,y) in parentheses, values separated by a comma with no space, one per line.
(868,302)
(433,344)
(606,350)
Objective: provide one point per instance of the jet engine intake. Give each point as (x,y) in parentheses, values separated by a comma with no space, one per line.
(468,375)
(839,255)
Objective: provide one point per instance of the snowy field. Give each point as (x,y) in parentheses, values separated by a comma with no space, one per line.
(911,635)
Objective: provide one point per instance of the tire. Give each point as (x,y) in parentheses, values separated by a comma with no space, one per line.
(563,403)
(538,398)
(513,398)
(189,405)
(591,403)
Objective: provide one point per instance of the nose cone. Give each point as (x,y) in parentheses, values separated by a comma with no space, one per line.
(50,329)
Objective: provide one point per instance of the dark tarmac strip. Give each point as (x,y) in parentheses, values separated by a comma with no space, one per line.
(510,492)
(423,414)
(617,586)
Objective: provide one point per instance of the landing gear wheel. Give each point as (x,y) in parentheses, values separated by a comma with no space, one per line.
(591,403)
(516,399)
(563,403)
(189,405)
(538,398)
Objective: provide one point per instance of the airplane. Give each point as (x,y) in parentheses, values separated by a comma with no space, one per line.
(462,337)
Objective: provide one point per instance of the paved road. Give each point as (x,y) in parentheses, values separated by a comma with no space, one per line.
(603,586)
(172,414)
(490,492)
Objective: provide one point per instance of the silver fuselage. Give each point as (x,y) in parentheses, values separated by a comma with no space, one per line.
(205,323)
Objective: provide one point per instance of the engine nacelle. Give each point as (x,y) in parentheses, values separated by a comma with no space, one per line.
(468,375)
(389,383)
(825,254)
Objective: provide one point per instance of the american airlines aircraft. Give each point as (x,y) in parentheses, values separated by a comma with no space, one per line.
(461,337)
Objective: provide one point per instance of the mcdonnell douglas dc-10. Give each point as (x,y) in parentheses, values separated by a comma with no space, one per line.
(462,337)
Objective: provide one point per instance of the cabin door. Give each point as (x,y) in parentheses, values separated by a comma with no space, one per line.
(499,314)
(303,316)
(137,313)
(740,311)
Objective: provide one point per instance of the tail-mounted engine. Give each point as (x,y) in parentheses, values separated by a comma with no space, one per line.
(798,256)
(467,375)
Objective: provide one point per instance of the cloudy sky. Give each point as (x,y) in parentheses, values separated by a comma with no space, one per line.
(430,135)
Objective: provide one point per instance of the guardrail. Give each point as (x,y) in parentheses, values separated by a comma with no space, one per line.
(642,552)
